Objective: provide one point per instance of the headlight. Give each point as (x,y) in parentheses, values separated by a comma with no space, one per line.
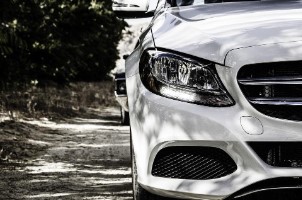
(183,79)
(120,84)
(122,87)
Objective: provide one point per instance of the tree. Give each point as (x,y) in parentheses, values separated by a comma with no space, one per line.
(57,40)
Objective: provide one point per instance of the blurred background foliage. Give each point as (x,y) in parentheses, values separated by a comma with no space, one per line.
(55,56)
(57,41)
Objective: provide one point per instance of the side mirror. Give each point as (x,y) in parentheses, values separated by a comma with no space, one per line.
(125,56)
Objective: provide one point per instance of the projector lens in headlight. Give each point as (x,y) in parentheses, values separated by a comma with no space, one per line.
(183,79)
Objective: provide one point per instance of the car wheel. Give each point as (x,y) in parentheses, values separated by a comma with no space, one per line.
(124,117)
(138,192)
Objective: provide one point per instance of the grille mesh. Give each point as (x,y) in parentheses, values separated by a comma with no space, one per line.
(279,154)
(275,89)
(197,163)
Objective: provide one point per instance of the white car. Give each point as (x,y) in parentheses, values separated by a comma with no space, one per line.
(215,101)
(130,5)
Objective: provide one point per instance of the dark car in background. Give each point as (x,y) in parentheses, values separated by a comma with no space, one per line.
(121,96)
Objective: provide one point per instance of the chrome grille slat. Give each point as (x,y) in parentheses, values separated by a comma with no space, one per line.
(275,89)
(272,81)
(277,101)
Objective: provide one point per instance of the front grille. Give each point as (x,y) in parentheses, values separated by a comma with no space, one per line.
(279,154)
(197,163)
(275,89)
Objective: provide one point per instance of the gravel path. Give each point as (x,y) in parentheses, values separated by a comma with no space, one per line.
(80,158)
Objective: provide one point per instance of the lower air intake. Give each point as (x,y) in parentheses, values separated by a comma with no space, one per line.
(196,163)
(279,154)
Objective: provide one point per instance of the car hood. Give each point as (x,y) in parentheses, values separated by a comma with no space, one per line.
(211,31)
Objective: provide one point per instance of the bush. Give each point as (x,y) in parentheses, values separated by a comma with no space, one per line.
(57,40)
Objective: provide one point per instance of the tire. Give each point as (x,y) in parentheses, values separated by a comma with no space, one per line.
(138,192)
(124,117)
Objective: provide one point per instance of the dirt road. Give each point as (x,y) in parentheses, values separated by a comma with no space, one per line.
(77,158)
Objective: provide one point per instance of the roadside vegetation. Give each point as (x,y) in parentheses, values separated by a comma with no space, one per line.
(57,40)
(56,55)
(56,101)
(55,60)
(57,107)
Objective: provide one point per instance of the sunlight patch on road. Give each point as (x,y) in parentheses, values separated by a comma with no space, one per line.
(116,194)
(77,127)
(4,117)
(39,181)
(106,172)
(38,142)
(97,182)
(94,121)
(46,167)
(48,195)
(99,160)
(103,145)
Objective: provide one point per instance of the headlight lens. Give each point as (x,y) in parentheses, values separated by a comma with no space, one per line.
(122,87)
(183,79)
(120,84)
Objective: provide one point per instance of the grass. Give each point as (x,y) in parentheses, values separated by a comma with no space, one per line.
(51,101)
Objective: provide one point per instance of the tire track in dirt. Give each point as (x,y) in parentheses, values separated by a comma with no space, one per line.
(86,158)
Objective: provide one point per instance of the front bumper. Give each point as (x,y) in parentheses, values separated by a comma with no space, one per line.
(158,122)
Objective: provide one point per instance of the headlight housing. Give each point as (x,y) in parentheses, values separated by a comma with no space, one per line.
(120,84)
(181,78)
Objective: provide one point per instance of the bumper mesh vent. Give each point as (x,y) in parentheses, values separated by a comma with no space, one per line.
(196,163)
(275,89)
(279,154)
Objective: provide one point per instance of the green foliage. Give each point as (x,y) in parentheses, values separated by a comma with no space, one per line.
(57,40)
